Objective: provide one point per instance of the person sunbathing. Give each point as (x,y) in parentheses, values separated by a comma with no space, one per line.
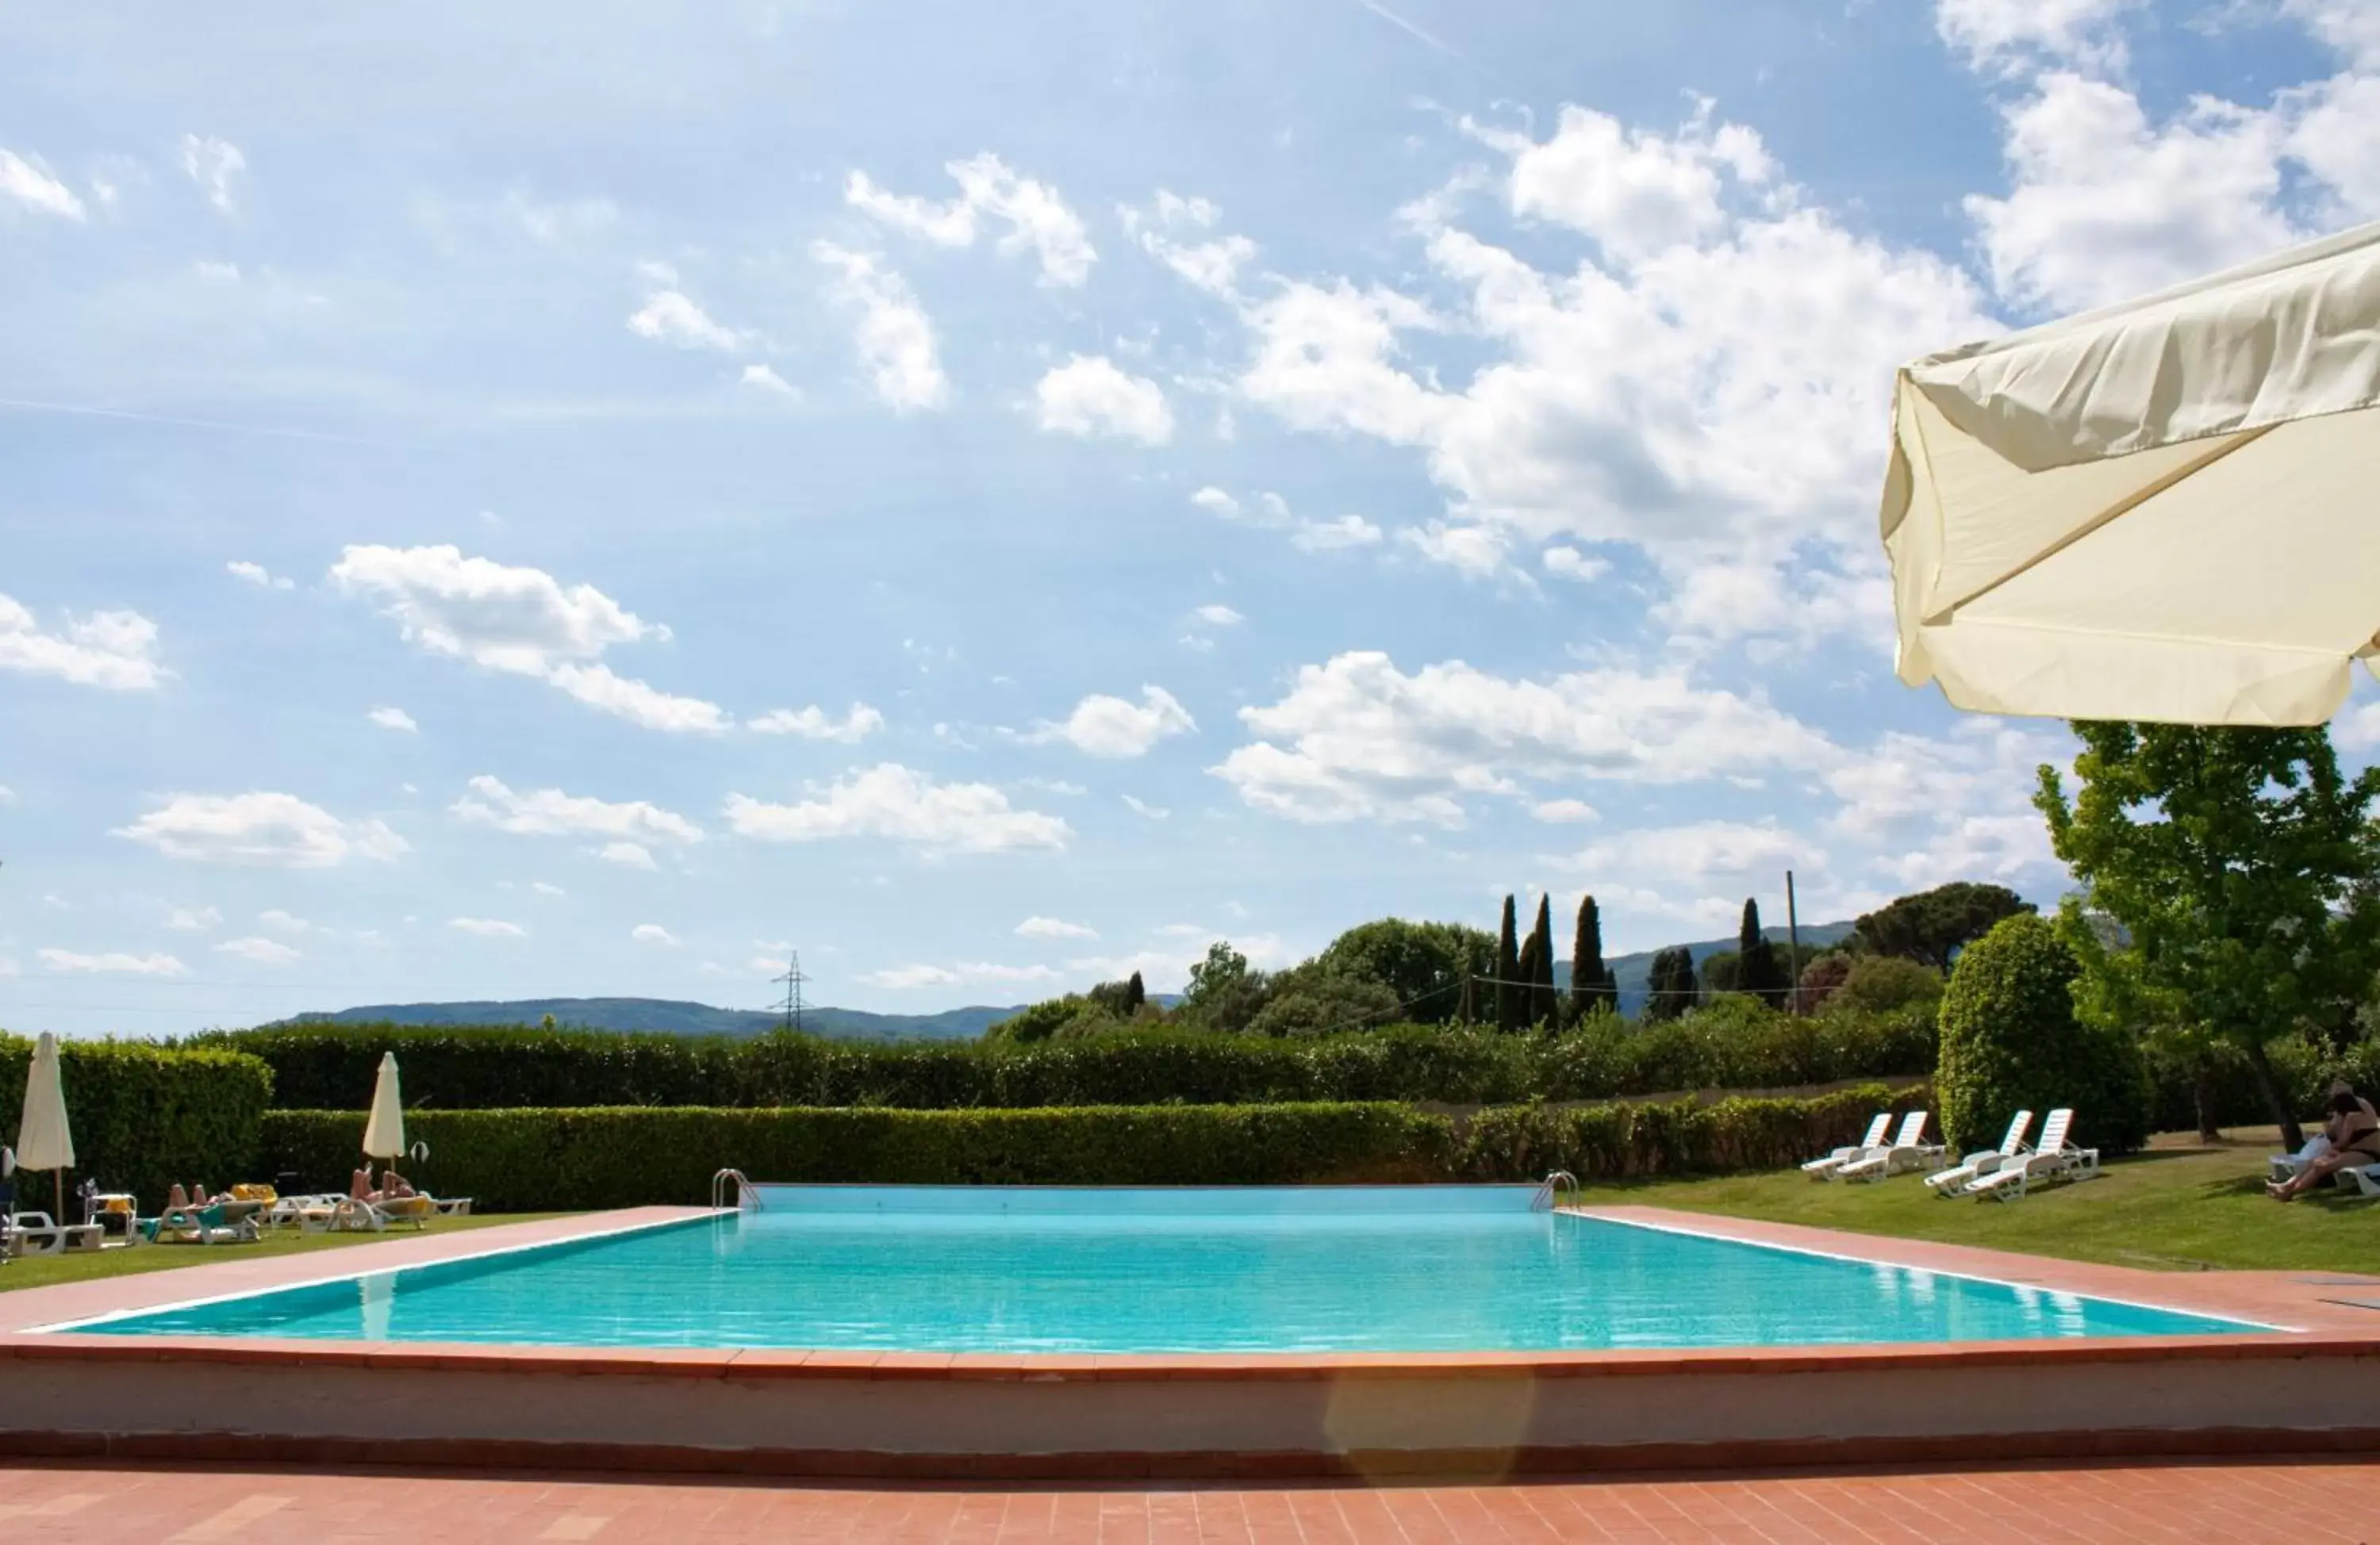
(2354,1134)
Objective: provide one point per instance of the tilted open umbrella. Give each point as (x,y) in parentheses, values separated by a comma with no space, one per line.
(2168,509)
(43,1139)
(384,1132)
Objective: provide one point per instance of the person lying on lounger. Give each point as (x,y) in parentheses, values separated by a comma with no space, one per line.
(2354,1134)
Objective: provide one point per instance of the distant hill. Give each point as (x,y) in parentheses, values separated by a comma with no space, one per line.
(668,1016)
(1635,971)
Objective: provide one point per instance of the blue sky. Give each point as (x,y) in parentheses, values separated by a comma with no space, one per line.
(576,500)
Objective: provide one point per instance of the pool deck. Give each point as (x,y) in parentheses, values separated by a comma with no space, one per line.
(940,1414)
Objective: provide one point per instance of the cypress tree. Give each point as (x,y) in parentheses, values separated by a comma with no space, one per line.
(1671,983)
(1527,992)
(1508,972)
(1758,970)
(1591,982)
(1135,994)
(1545,1003)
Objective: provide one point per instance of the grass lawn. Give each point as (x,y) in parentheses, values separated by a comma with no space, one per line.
(41,1271)
(2177,1207)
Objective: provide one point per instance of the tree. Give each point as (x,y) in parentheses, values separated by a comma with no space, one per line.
(1934,925)
(1509,986)
(1670,983)
(2243,868)
(1592,985)
(1528,980)
(1721,972)
(2012,1041)
(1313,1000)
(1135,994)
(1467,1013)
(1883,982)
(1040,1021)
(1224,993)
(1545,1003)
(1760,972)
(1822,978)
(1425,964)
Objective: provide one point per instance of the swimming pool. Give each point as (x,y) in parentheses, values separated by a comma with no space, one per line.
(1033,1270)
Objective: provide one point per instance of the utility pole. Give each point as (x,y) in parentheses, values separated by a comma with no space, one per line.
(792,979)
(1793,938)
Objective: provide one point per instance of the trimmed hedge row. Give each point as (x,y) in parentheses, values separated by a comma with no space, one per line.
(461,1067)
(553,1160)
(1621,1141)
(542,1160)
(145,1116)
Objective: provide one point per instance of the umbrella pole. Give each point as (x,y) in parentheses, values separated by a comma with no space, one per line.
(58,1197)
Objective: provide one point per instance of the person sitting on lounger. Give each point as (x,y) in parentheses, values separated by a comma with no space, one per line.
(2354,1134)
(394,1186)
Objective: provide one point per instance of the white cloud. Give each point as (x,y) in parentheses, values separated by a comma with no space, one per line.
(543,889)
(653,933)
(903,806)
(488,928)
(1930,810)
(629,855)
(1710,383)
(112,650)
(1174,229)
(761,377)
(520,620)
(1052,928)
(256,573)
(262,951)
(1115,726)
(1565,812)
(813,723)
(260,828)
(212,164)
(1217,615)
(1699,853)
(669,317)
(7,796)
(113,963)
(1092,396)
(1357,738)
(895,338)
(2009,34)
(28,184)
(1474,551)
(393,718)
(2105,205)
(552,812)
(1270,512)
(193,919)
(978,973)
(1572,564)
(1139,806)
(989,193)
(282,923)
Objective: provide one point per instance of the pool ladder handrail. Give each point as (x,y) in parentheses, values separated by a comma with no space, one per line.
(719,1189)
(1555,1181)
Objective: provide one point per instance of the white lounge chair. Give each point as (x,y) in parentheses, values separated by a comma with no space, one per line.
(2055,1157)
(1818,1169)
(36,1234)
(2365,1178)
(1907,1151)
(1951,1181)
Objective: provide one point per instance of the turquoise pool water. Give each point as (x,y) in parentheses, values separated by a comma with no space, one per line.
(1389,1269)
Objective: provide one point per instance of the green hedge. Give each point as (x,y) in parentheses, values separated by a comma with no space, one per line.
(542,1160)
(145,1116)
(1620,1141)
(1735,1044)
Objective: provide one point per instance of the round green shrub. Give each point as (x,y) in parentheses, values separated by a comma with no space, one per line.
(2010,1041)
(1883,982)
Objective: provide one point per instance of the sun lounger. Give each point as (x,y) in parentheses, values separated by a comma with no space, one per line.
(1958,1177)
(2365,1178)
(34,1234)
(2055,1158)
(202,1226)
(1819,1169)
(1908,1150)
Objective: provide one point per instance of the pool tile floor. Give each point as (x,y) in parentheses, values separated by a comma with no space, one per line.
(2310,1502)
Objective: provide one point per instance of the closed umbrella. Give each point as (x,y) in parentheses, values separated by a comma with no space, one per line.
(2165,510)
(43,1139)
(384,1133)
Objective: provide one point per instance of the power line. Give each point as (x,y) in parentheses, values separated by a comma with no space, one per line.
(792,979)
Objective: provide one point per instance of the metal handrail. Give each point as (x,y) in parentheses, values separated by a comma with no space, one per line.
(719,1189)
(1544,1200)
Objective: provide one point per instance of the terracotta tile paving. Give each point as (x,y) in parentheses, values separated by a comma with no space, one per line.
(2309,1502)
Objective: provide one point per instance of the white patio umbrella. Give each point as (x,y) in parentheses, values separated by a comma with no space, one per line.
(43,1139)
(384,1132)
(2168,509)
